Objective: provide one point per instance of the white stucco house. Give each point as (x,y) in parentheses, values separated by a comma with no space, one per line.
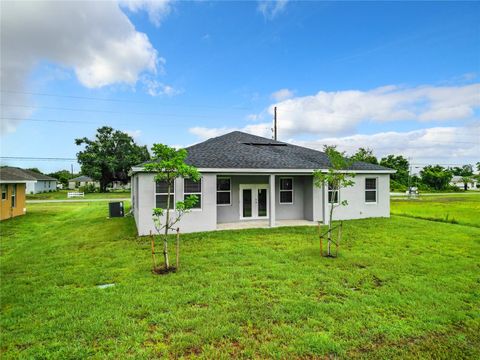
(459,182)
(81,181)
(40,183)
(247,178)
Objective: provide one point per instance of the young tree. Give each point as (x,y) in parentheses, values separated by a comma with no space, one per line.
(365,155)
(37,170)
(110,156)
(335,178)
(437,177)
(169,164)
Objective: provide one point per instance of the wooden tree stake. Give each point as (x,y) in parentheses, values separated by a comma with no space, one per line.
(178,248)
(152,238)
(320,236)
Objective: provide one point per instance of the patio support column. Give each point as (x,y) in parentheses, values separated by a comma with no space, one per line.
(271,197)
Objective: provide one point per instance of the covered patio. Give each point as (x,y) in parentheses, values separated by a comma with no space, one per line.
(256,224)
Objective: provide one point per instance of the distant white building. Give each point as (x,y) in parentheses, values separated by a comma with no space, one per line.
(459,182)
(42,182)
(81,181)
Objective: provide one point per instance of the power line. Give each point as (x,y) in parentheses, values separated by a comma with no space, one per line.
(81,121)
(121,100)
(27,158)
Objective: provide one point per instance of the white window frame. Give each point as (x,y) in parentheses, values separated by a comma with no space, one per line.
(225,191)
(173,193)
(371,190)
(5,191)
(333,191)
(194,193)
(280,190)
(13,197)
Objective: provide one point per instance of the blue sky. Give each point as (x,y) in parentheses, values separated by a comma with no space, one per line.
(396,77)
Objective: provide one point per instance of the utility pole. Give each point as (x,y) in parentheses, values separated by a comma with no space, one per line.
(71,168)
(275,123)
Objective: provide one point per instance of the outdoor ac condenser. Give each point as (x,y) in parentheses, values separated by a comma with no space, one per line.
(115,209)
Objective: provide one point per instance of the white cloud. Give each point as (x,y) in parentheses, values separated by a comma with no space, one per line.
(341,111)
(207,133)
(157,9)
(157,88)
(94,38)
(271,8)
(282,94)
(432,145)
(134,133)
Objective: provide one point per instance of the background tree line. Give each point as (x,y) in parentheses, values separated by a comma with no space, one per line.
(430,177)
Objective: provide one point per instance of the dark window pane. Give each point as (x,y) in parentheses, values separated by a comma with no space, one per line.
(223,184)
(162,188)
(247,203)
(330,186)
(192,186)
(286,197)
(370,184)
(286,184)
(223,198)
(198,205)
(262,202)
(333,197)
(370,196)
(162,201)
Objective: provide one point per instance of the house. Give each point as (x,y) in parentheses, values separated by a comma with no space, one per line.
(81,181)
(458,182)
(42,183)
(13,183)
(247,178)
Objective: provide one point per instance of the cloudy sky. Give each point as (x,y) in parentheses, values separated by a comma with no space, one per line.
(396,77)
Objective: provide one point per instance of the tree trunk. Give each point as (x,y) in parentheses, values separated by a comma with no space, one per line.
(167,219)
(178,248)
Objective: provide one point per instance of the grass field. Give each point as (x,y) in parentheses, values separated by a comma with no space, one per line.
(402,287)
(62,195)
(459,208)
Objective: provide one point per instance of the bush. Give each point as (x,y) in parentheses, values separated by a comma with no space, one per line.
(90,188)
(397,187)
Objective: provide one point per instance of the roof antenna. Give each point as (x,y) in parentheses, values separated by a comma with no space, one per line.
(275,123)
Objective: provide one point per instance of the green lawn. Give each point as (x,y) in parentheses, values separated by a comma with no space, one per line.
(402,288)
(62,195)
(459,208)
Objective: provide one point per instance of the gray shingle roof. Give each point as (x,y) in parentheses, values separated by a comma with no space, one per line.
(246,151)
(9,174)
(81,178)
(38,176)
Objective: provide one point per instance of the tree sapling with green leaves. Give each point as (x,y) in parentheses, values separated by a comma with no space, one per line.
(169,164)
(335,178)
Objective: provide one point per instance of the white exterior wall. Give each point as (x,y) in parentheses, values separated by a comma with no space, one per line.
(39,186)
(204,219)
(357,208)
(310,202)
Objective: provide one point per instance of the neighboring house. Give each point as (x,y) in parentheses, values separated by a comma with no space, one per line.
(246,177)
(13,183)
(43,183)
(458,182)
(81,181)
(118,185)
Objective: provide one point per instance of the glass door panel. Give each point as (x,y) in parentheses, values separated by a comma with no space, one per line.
(247,203)
(262,202)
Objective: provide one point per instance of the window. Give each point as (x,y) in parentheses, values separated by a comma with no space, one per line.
(4,191)
(224,191)
(161,195)
(333,194)
(14,195)
(371,190)
(191,187)
(286,190)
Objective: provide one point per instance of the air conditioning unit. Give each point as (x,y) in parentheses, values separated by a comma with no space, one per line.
(115,209)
